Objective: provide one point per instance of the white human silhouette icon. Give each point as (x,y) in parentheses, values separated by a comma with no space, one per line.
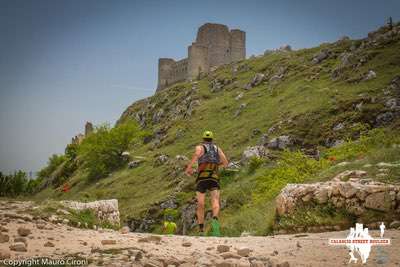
(351,247)
(363,250)
(382,227)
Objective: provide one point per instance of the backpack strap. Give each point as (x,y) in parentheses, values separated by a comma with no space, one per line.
(205,149)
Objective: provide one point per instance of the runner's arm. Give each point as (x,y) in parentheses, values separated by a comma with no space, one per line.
(197,154)
(224,160)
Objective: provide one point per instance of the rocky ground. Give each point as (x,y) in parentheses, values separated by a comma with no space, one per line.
(25,237)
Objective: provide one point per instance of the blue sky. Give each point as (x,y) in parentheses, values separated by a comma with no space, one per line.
(63,63)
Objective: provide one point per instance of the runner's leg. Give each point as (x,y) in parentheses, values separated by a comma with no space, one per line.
(200,207)
(215,202)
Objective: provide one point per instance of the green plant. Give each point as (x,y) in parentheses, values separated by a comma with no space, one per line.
(254,164)
(101,152)
(52,164)
(174,213)
(292,167)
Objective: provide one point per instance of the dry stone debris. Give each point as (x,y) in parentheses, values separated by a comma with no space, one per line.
(223,248)
(18,246)
(4,238)
(22,231)
(108,242)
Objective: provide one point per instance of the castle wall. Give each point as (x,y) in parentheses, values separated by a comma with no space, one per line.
(164,72)
(237,45)
(217,39)
(171,71)
(198,61)
(215,45)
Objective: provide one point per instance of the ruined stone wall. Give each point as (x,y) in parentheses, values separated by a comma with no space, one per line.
(356,195)
(105,210)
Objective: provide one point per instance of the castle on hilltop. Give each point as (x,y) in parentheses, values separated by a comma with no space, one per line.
(215,45)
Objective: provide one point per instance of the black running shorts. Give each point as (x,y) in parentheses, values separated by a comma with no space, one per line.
(207,184)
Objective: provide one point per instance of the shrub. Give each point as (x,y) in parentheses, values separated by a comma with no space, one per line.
(100,152)
(292,167)
(254,164)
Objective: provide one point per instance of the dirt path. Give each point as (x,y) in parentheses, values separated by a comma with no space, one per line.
(112,248)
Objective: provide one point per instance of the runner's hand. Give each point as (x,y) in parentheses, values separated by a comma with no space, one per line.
(189,171)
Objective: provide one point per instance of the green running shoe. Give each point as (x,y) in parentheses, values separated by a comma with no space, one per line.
(215,228)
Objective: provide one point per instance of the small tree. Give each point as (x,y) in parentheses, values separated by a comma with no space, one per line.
(101,152)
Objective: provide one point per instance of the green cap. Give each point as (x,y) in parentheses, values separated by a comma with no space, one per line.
(208,134)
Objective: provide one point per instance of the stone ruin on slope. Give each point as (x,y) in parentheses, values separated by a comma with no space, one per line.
(215,45)
(357,195)
(105,210)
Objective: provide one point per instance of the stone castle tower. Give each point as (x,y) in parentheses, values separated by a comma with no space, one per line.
(215,45)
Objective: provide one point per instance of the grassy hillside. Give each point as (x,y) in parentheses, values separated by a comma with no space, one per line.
(318,103)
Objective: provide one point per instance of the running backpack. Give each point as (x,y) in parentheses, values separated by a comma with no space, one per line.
(209,161)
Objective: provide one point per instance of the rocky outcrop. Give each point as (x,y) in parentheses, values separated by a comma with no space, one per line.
(254,151)
(356,195)
(105,210)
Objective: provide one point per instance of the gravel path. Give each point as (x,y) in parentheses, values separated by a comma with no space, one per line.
(25,237)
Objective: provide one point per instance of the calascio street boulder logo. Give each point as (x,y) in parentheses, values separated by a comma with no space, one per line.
(360,242)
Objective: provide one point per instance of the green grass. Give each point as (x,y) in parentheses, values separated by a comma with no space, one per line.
(301,106)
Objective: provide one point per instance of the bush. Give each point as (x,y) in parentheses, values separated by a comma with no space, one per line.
(254,164)
(100,152)
(292,167)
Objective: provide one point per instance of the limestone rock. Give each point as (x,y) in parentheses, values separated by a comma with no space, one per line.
(186,244)
(151,238)
(19,246)
(160,160)
(378,201)
(280,142)
(50,244)
(23,231)
(125,230)
(108,242)
(253,151)
(105,210)
(244,252)
(320,56)
(384,118)
(21,239)
(223,248)
(4,238)
(370,75)
(134,164)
